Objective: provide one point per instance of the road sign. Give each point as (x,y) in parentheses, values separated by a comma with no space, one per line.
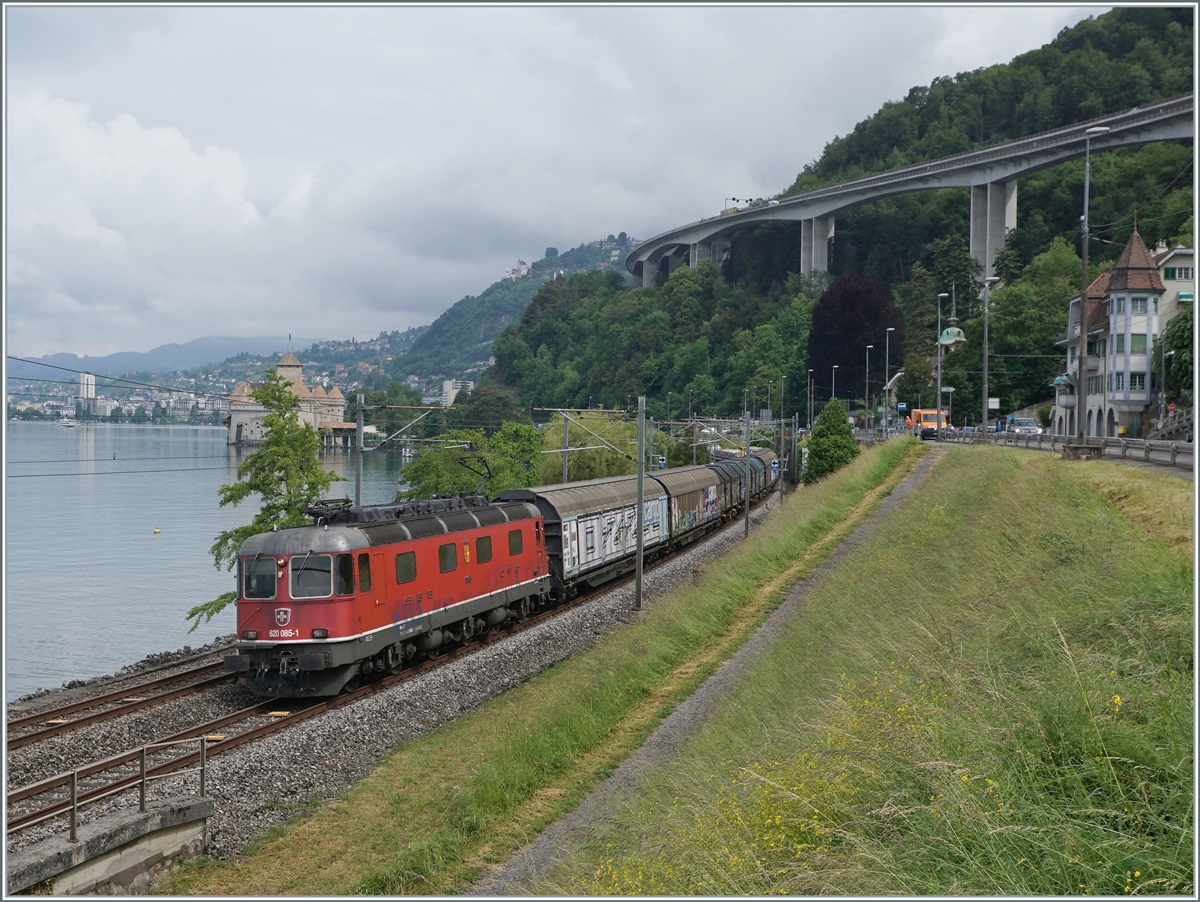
(902,407)
(1171,407)
(993,403)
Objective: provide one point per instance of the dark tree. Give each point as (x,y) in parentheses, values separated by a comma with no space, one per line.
(853,313)
(488,407)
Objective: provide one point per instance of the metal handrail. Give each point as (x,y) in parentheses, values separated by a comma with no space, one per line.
(73,775)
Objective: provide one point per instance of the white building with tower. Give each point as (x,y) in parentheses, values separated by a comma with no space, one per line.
(87,393)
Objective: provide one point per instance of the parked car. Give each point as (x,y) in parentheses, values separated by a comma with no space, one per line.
(968,430)
(1024,426)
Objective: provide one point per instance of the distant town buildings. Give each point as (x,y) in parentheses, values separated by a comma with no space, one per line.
(520,271)
(451,388)
(1128,309)
(317,407)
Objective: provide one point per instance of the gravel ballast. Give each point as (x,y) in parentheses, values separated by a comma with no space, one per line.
(271,780)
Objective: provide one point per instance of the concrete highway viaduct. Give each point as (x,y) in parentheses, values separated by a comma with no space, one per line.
(990,173)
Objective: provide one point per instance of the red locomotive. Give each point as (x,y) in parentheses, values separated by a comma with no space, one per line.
(364,589)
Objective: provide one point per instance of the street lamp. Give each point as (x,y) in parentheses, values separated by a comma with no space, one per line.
(987,287)
(833,387)
(810,403)
(669,409)
(939,347)
(867,391)
(1081,379)
(1162,383)
(887,374)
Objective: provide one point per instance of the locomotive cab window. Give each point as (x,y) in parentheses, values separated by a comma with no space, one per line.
(515,545)
(343,575)
(364,573)
(448,557)
(259,578)
(406,567)
(483,549)
(312,575)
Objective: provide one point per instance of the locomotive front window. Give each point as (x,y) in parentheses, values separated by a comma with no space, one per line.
(364,573)
(447,557)
(312,576)
(483,549)
(260,578)
(515,545)
(343,575)
(406,567)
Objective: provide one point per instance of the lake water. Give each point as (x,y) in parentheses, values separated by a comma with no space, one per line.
(89,587)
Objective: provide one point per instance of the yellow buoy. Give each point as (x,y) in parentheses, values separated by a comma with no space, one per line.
(156,530)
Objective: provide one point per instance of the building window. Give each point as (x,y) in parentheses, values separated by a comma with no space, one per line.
(1138,306)
(1137,344)
(1072,349)
(1110,382)
(1137,381)
(1120,346)
(1120,382)
(1169,272)
(1120,305)
(1184,272)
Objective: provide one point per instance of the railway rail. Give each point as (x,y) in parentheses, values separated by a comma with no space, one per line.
(64,793)
(57,720)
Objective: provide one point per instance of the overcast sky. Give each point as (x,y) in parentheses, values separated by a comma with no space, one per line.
(180,172)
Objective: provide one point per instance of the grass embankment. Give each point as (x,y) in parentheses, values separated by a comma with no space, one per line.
(992,695)
(441,808)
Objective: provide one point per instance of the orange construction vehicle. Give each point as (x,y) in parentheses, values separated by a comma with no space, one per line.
(925,423)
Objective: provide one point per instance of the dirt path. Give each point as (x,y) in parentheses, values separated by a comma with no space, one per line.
(524,869)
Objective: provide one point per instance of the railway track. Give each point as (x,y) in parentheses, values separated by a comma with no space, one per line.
(36,802)
(23,731)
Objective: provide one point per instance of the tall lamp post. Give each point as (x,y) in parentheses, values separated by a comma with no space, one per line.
(938,405)
(887,374)
(833,387)
(1081,379)
(1162,383)
(810,403)
(867,391)
(950,415)
(987,287)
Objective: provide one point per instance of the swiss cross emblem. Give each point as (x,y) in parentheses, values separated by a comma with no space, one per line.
(283,616)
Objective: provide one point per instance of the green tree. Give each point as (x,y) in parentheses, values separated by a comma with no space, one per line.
(831,445)
(117,415)
(511,453)
(284,471)
(1177,339)
(596,461)
(139,414)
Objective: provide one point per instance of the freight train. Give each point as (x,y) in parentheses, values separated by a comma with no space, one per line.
(365,590)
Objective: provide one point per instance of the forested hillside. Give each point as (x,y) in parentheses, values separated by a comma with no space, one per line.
(459,343)
(711,336)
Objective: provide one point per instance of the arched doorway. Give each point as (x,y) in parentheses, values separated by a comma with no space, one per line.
(1089,425)
(1059,429)
(1112,424)
(1071,422)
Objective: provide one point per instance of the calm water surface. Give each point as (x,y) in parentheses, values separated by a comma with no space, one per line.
(89,587)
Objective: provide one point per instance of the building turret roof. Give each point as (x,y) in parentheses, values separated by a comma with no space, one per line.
(1135,269)
(289,359)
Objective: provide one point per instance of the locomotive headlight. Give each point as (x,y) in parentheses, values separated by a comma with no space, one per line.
(250,634)
(320,634)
